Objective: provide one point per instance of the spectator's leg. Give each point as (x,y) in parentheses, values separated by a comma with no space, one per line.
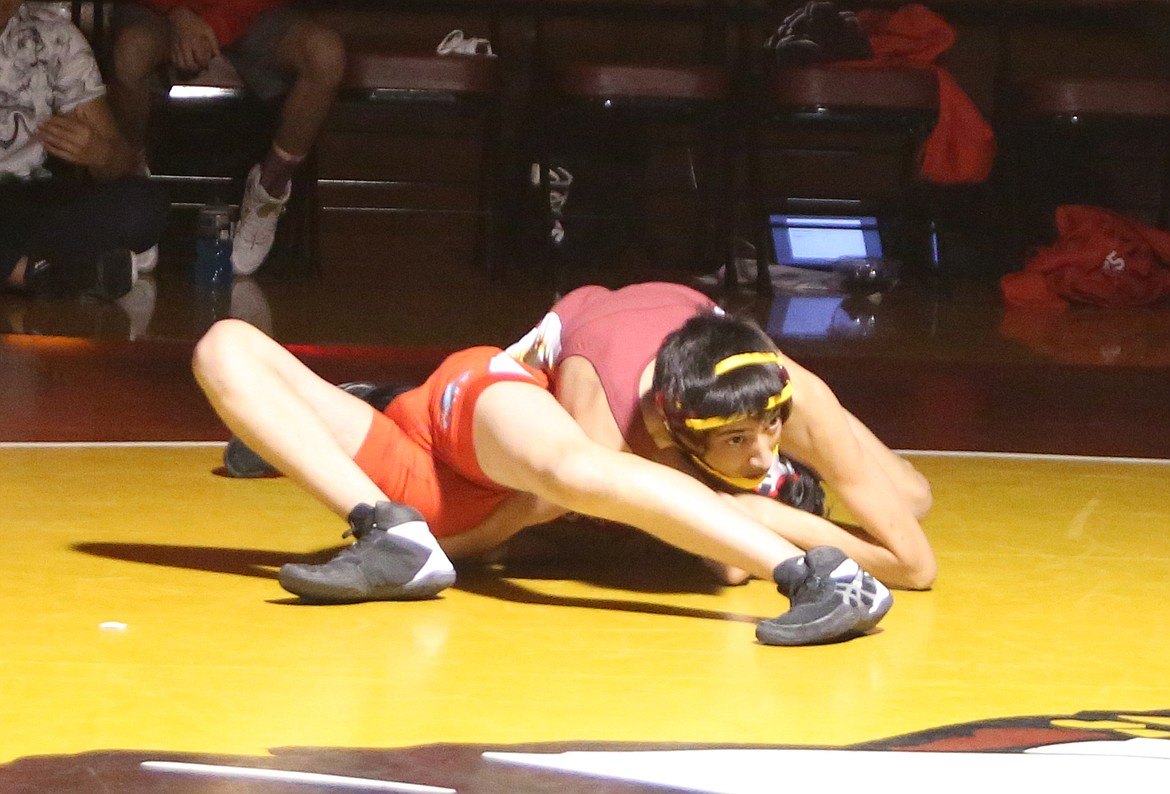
(141,45)
(314,54)
(16,215)
(76,237)
(283,53)
(82,220)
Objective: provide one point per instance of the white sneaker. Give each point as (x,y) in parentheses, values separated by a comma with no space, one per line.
(145,261)
(458,43)
(256,229)
(138,304)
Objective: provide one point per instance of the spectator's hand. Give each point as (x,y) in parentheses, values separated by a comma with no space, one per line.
(193,42)
(75,140)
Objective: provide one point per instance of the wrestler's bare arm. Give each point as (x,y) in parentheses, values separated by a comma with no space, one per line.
(873,483)
(525,440)
(907,480)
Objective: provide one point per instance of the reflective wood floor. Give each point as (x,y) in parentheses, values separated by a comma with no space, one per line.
(146,645)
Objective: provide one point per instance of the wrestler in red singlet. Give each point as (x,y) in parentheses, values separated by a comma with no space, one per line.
(619,333)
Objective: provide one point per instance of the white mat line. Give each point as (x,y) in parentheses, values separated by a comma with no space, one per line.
(947,453)
(286,776)
(105,444)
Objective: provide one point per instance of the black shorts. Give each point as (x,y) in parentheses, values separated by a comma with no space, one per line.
(250,54)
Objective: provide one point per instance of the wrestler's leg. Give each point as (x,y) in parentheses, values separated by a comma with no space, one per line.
(525,440)
(302,424)
(311,430)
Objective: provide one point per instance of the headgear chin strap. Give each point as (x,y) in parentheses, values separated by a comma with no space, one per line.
(755,484)
(678,419)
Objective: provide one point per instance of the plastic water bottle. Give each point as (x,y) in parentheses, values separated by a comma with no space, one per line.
(213,246)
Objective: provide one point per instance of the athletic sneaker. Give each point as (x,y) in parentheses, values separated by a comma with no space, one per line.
(144,261)
(394,558)
(833,599)
(107,276)
(256,230)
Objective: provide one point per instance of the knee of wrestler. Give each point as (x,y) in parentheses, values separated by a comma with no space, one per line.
(224,352)
(135,54)
(577,480)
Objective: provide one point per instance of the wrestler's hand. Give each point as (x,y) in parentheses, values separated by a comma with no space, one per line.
(193,42)
(75,140)
(727,575)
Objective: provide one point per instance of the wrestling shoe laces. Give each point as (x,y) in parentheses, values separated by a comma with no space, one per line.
(393,557)
(832,599)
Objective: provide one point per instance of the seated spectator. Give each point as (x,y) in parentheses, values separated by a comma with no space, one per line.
(71,211)
(278,51)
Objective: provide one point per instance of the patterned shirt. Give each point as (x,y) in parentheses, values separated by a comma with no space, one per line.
(46,67)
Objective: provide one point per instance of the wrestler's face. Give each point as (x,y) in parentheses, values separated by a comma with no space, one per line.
(745,448)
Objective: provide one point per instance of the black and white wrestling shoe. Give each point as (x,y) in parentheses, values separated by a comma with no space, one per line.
(833,599)
(394,557)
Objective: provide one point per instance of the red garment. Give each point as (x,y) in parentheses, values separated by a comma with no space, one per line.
(1100,257)
(619,333)
(961,148)
(421,450)
(228,18)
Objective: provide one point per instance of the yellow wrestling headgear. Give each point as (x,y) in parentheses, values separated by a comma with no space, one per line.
(735,362)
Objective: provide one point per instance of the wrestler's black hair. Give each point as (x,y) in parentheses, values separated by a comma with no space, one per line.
(686,386)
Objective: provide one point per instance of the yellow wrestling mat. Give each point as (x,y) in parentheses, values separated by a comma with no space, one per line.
(141,613)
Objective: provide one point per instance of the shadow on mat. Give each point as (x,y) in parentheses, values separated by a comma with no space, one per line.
(491,585)
(260,563)
(623,565)
(604,555)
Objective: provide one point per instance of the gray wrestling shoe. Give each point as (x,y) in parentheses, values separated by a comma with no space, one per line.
(380,565)
(833,599)
(241,462)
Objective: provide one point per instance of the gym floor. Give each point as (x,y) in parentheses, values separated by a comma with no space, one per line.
(147,647)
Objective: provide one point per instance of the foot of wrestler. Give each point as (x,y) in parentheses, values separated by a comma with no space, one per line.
(833,599)
(394,558)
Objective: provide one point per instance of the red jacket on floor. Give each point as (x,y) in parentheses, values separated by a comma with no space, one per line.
(1099,257)
(961,148)
(228,18)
